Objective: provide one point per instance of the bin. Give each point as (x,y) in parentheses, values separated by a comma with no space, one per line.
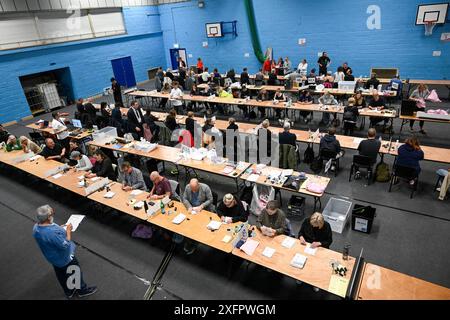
(296,206)
(336,213)
(362,218)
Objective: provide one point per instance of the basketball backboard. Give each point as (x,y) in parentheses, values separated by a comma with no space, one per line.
(432,13)
(214,30)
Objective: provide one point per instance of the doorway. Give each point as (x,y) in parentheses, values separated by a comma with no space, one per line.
(47,90)
(175,54)
(124,72)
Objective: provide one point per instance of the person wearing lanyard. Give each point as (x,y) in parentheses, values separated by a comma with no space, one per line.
(419,95)
(136,118)
(60,129)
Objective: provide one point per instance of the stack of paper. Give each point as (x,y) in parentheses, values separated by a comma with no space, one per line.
(338,285)
(136,192)
(109,195)
(288,242)
(228,170)
(298,261)
(287,172)
(310,251)
(179,218)
(214,225)
(139,205)
(253,177)
(95,179)
(249,246)
(57,176)
(35,157)
(227,238)
(268,252)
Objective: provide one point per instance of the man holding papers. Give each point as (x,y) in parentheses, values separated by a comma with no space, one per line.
(231,210)
(58,248)
(272,220)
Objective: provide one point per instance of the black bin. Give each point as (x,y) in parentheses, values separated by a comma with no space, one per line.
(362,218)
(296,206)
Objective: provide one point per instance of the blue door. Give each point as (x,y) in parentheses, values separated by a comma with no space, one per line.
(124,72)
(175,54)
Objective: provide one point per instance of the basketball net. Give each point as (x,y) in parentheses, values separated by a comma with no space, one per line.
(429,26)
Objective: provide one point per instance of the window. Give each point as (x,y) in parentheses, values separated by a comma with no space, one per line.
(47,27)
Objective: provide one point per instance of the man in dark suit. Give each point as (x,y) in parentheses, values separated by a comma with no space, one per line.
(135,119)
(287,137)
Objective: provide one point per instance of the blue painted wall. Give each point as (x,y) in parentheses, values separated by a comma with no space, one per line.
(89,61)
(338,27)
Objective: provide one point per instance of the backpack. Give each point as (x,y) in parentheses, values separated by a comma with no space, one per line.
(316,165)
(252,115)
(308,155)
(382,172)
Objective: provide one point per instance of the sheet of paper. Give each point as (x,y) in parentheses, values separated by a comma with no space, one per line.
(75,221)
(287,172)
(309,250)
(139,205)
(268,252)
(95,179)
(227,238)
(179,218)
(35,157)
(109,195)
(338,285)
(249,246)
(253,177)
(57,176)
(288,242)
(214,225)
(136,192)
(228,169)
(81,177)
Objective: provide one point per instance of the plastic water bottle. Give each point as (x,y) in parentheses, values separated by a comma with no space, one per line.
(345,252)
(163,208)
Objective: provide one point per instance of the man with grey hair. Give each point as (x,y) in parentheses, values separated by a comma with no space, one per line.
(58,248)
(286,137)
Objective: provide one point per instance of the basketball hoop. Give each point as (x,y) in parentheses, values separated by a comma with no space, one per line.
(429,26)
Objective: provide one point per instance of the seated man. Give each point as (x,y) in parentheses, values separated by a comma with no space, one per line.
(132,178)
(197,196)
(231,209)
(272,220)
(377,103)
(316,231)
(373,82)
(371,146)
(286,137)
(329,142)
(327,99)
(13,144)
(83,162)
(53,151)
(161,187)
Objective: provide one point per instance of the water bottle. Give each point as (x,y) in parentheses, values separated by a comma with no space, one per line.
(345,252)
(163,208)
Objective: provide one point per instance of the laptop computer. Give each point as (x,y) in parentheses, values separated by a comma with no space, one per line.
(77,123)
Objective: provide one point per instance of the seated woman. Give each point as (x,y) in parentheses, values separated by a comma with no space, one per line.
(272,220)
(231,210)
(171,120)
(263,95)
(305,98)
(409,155)
(82,161)
(29,146)
(360,102)
(279,96)
(103,167)
(316,231)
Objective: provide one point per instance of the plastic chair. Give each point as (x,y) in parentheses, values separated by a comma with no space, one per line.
(364,162)
(37,138)
(175,186)
(406,173)
(326,154)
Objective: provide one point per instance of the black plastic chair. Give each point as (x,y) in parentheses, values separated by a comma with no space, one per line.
(406,173)
(37,138)
(326,154)
(364,162)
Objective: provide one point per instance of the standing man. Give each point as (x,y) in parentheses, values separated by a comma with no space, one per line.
(58,248)
(117,92)
(135,119)
(324,61)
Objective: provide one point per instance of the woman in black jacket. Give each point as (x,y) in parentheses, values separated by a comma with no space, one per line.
(171,120)
(350,116)
(316,231)
(103,167)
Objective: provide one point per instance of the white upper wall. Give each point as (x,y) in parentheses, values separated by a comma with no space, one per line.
(37,5)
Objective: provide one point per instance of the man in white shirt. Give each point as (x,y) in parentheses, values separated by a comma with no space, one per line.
(176,96)
(60,129)
(205,75)
(303,68)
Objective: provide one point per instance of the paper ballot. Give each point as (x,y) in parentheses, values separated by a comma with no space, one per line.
(249,246)
(57,176)
(214,225)
(253,177)
(75,221)
(298,261)
(288,242)
(268,252)
(179,218)
(109,195)
(309,250)
(136,192)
